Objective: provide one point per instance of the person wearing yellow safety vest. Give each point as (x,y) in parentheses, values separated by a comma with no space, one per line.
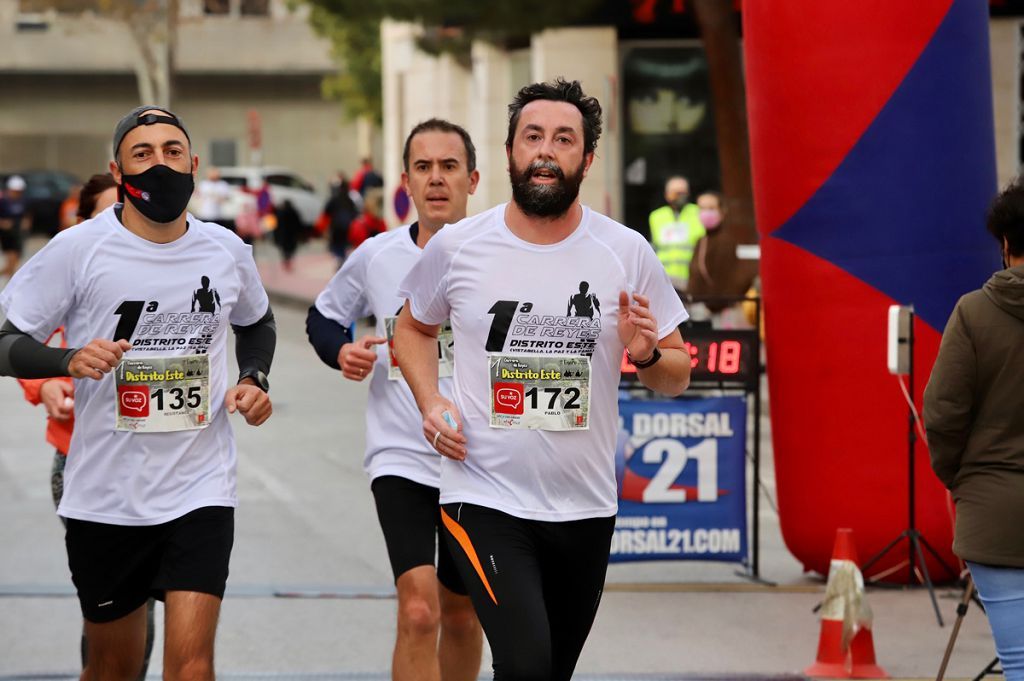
(675,230)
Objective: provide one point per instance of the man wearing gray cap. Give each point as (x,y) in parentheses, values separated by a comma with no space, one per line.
(149,488)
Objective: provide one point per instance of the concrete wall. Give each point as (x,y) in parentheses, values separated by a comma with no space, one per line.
(1004,35)
(66,86)
(66,122)
(416,86)
(589,55)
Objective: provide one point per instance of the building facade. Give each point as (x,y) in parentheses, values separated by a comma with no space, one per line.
(651,76)
(246,73)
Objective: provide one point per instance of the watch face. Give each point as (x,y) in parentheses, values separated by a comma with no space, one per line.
(259,378)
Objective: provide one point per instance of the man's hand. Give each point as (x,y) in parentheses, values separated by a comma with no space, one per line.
(446,438)
(99,357)
(250,401)
(356,359)
(57,395)
(638,330)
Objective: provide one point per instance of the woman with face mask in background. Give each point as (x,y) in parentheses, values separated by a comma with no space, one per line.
(711,214)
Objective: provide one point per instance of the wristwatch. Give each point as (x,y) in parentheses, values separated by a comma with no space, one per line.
(258,377)
(655,356)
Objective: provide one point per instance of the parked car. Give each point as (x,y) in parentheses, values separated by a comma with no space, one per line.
(45,190)
(283,183)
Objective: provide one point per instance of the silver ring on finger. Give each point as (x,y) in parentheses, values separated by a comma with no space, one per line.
(436,436)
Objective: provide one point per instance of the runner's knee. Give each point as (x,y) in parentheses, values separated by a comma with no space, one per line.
(459,619)
(416,616)
(112,665)
(192,668)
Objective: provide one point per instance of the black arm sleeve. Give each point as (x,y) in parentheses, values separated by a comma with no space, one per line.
(22,356)
(326,336)
(254,344)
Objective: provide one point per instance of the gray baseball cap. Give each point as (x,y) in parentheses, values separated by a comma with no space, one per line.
(134,119)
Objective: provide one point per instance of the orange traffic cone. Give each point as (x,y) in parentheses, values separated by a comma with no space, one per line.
(845,646)
(862,657)
(831,660)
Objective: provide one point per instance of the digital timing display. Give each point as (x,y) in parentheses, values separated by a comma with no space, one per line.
(716,356)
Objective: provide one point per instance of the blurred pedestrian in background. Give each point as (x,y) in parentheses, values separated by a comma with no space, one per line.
(211,195)
(675,231)
(366,178)
(711,214)
(340,211)
(68,213)
(369,223)
(972,413)
(14,219)
(287,232)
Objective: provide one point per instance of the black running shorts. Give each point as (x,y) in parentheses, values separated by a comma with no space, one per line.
(535,585)
(410,517)
(116,568)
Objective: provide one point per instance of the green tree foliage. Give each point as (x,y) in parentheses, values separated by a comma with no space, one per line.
(355,45)
(353,27)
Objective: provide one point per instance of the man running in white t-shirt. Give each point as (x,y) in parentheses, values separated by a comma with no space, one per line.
(149,486)
(440,174)
(528,489)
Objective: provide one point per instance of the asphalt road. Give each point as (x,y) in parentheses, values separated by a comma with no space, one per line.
(310,591)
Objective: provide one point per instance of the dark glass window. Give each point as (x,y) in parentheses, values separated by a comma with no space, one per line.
(255,8)
(217,6)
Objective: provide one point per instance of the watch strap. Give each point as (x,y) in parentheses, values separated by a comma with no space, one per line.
(655,356)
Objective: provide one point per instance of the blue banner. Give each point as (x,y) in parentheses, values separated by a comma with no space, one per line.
(681,472)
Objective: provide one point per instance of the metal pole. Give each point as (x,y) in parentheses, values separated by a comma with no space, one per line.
(756,561)
(912,441)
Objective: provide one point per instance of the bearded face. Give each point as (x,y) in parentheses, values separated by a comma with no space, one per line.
(552,194)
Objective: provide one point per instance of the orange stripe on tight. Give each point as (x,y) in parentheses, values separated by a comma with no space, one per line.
(467,546)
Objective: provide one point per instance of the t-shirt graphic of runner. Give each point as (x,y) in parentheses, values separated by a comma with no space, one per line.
(208,298)
(585,303)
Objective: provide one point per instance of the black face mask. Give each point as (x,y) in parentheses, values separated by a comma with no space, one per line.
(161,193)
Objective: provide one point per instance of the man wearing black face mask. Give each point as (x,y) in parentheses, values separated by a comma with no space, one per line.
(149,490)
(675,230)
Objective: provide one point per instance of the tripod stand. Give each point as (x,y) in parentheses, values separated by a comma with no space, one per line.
(961,610)
(915,540)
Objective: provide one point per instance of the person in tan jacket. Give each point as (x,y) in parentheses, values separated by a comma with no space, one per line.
(974,417)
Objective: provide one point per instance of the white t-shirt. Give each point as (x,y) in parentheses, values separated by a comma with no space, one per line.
(368,284)
(505,295)
(98,278)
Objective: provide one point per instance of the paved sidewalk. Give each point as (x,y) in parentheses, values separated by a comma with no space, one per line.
(312,267)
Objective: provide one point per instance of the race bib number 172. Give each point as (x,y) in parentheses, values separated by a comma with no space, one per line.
(543,392)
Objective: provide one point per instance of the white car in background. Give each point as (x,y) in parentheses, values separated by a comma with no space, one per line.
(284,184)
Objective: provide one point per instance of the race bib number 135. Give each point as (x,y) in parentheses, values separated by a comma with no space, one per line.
(445,350)
(163,394)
